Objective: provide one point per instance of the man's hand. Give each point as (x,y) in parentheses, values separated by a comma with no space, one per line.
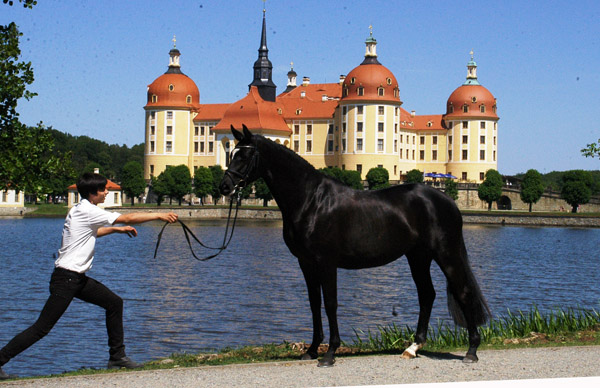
(129,230)
(168,217)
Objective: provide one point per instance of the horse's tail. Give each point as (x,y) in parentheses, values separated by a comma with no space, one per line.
(476,303)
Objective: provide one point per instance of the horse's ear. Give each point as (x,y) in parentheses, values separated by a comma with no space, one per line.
(237,134)
(247,132)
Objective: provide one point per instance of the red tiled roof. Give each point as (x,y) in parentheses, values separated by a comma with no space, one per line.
(310,101)
(211,112)
(254,112)
(110,185)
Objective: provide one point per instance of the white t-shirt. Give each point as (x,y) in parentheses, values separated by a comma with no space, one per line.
(79,235)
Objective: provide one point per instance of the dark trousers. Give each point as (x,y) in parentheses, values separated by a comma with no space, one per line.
(64,286)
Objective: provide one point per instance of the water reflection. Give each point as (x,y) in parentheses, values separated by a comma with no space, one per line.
(254,292)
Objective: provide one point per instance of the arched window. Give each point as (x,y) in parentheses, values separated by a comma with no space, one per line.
(171,87)
(360,91)
(465,108)
(188,99)
(380,91)
(154,98)
(482,108)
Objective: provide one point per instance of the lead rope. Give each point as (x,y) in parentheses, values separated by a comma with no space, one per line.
(187,230)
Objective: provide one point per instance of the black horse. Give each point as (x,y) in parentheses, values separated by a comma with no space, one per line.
(328,225)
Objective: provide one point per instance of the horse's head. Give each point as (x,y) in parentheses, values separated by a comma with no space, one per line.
(243,167)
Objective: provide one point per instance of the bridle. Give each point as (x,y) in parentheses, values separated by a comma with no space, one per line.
(243,177)
(235,193)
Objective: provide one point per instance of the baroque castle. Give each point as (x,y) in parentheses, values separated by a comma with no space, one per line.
(357,123)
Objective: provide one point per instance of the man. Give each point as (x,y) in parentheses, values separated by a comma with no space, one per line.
(84,223)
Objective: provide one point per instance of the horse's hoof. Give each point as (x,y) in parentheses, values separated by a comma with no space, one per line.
(470,359)
(408,355)
(326,363)
(309,356)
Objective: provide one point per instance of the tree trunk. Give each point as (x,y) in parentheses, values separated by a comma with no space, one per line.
(489,206)
(132,203)
(530,206)
(574,209)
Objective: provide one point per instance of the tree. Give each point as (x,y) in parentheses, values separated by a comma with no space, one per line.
(262,191)
(217,173)
(577,188)
(27,153)
(378,178)
(203,182)
(132,180)
(181,182)
(490,190)
(414,176)
(350,178)
(160,187)
(451,188)
(532,188)
(592,150)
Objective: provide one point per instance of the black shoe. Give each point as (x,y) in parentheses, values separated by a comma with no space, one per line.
(6,376)
(124,362)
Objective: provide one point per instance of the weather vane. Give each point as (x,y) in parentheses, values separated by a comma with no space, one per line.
(174,42)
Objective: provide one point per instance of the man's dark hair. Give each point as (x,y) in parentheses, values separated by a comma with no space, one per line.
(90,183)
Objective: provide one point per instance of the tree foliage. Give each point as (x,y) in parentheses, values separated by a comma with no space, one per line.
(592,150)
(160,186)
(532,188)
(490,190)
(378,178)
(451,188)
(132,180)
(414,176)
(262,191)
(203,182)
(350,178)
(577,188)
(217,173)
(180,182)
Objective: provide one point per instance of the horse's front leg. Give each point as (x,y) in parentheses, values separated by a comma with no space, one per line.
(328,278)
(314,296)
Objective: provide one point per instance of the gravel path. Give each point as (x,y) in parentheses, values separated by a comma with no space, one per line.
(518,364)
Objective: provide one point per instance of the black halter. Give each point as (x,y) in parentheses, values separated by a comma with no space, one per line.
(236,190)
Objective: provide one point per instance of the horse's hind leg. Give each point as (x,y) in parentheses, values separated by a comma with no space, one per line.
(420,266)
(311,277)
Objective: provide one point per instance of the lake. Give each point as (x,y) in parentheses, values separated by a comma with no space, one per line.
(254,292)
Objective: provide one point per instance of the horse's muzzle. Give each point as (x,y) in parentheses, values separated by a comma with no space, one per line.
(226,186)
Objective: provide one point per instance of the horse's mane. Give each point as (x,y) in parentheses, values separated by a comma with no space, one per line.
(287,154)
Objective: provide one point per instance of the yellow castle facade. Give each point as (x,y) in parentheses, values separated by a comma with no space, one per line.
(357,123)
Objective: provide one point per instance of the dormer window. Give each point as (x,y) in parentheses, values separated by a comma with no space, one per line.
(482,108)
(360,91)
(171,87)
(380,91)
(388,81)
(352,80)
(465,108)
(188,99)
(298,111)
(154,98)
(473,99)
(429,123)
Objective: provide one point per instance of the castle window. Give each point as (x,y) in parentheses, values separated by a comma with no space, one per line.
(359,144)
(152,130)
(465,124)
(296,145)
(154,98)
(171,87)
(309,129)
(422,140)
(465,139)
(482,125)
(481,139)
(188,99)
(151,146)
(434,155)
(449,156)
(450,140)
(345,91)
(169,115)
(296,129)
(359,126)
(465,108)
(464,176)
(429,123)
(481,176)
(298,111)
(359,109)
(380,127)
(482,108)
(380,145)
(434,140)
(330,146)
(308,146)
(380,92)
(465,155)
(473,99)
(196,130)
(381,109)
(352,80)
(450,108)
(481,154)
(169,146)
(421,155)
(360,91)
(388,80)
(169,130)
(153,114)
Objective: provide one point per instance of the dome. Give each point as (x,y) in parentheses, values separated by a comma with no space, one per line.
(371,80)
(471,99)
(173,89)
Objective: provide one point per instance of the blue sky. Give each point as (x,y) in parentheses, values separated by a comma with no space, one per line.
(93,61)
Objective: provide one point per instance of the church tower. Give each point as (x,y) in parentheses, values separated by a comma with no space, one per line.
(263,68)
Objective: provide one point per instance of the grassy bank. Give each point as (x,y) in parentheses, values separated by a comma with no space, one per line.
(562,327)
